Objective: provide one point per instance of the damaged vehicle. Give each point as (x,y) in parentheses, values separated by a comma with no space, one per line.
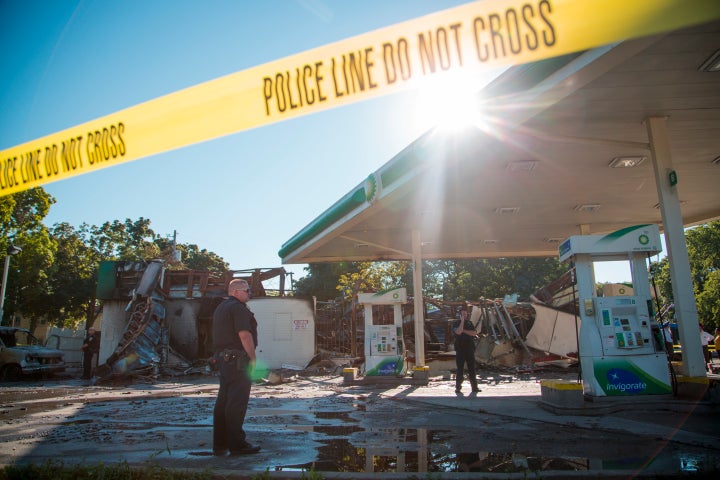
(21,353)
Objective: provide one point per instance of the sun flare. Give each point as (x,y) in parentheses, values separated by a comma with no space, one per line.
(449,102)
(453,101)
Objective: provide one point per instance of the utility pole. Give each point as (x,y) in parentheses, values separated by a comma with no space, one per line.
(176,254)
(12,250)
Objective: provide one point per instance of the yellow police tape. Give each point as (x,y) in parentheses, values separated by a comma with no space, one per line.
(478,35)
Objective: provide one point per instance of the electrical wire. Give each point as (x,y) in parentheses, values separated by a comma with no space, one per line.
(573,281)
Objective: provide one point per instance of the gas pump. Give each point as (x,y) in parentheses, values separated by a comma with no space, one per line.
(383,341)
(620,345)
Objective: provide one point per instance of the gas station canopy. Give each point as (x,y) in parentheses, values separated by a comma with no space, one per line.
(563,147)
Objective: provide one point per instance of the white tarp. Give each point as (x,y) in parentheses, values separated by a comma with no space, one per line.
(553,331)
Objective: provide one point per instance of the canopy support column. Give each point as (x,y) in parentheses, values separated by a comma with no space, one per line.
(419,315)
(693,363)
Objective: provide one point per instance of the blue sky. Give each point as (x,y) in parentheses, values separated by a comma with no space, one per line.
(242,196)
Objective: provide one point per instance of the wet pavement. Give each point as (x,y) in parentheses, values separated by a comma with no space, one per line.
(361,431)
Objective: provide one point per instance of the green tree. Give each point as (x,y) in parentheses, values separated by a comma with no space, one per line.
(439,275)
(449,280)
(55,274)
(660,281)
(373,277)
(28,290)
(708,302)
(458,280)
(74,276)
(128,240)
(330,281)
(196,258)
(703,246)
(321,279)
(73,279)
(192,257)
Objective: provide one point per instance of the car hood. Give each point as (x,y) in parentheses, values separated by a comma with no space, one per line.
(41,352)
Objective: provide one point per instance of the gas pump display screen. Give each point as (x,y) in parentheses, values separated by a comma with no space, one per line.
(628,339)
(622,327)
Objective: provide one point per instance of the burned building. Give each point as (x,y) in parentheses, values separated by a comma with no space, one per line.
(160,321)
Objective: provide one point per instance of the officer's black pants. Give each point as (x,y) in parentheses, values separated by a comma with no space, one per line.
(465,356)
(231,407)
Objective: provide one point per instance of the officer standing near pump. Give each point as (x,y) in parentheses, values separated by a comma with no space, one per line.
(705,339)
(90,347)
(234,342)
(668,337)
(465,336)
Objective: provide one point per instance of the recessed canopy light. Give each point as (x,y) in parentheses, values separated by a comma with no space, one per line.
(627,162)
(490,242)
(522,166)
(553,240)
(590,207)
(657,205)
(712,63)
(716,161)
(507,210)
(361,245)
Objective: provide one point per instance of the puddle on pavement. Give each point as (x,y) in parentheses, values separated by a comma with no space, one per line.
(344,444)
(75,422)
(422,451)
(344,416)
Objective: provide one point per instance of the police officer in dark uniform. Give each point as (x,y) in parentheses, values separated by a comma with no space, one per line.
(90,347)
(465,336)
(234,342)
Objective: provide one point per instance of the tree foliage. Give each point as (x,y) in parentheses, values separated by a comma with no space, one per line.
(703,246)
(460,280)
(373,277)
(332,281)
(449,280)
(192,257)
(28,279)
(195,258)
(708,301)
(322,279)
(128,240)
(74,275)
(55,274)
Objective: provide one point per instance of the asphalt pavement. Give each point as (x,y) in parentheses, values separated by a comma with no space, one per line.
(394,430)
